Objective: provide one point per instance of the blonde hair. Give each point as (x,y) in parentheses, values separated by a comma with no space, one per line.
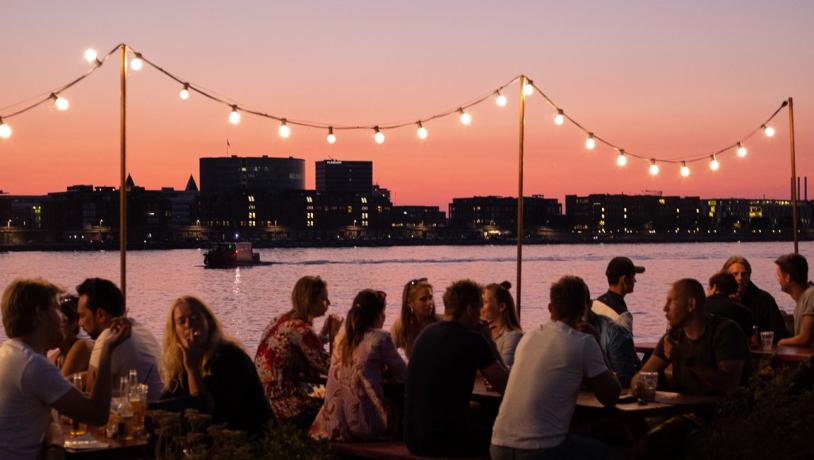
(172,365)
(22,300)
(410,325)
(305,294)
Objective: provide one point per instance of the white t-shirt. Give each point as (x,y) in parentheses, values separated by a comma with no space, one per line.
(549,367)
(29,385)
(140,352)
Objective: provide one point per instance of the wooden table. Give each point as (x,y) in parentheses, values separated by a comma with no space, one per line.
(116,449)
(784,354)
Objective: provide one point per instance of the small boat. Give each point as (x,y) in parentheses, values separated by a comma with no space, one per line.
(230,255)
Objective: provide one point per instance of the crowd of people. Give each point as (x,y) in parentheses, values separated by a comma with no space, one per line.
(415,381)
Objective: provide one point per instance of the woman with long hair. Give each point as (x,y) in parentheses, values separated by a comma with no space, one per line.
(73,354)
(204,368)
(499,312)
(291,356)
(355,408)
(417,312)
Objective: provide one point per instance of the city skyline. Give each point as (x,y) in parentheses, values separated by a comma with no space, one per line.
(667,79)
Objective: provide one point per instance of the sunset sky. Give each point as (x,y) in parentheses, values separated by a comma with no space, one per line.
(660,79)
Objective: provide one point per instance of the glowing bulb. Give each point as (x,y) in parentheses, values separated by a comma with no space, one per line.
(528,89)
(621,160)
(5,130)
(379,136)
(741,150)
(284,131)
(713,163)
(331,137)
(422,131)
(60,102)
(590,143)
(234,117)
(685,171)
(184,94)
(559,118)
(768,131)
(91,55)
(136,64)
(654,168)
(465,117)
(500,100)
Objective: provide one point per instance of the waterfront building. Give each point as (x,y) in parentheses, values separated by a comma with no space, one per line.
(344,176)
(496,216)
(224,174)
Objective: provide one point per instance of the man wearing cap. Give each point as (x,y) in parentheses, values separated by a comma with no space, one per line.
(621,275)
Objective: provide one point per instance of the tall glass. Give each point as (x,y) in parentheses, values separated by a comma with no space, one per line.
(138,403)
(78,428)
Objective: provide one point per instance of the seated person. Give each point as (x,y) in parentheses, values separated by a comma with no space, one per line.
(499,313)
(207,370)
(616,343)
(100,301)
(792,275)
(441,375)
(765,311)
(417,311)
(541,396)
(30,386)
(291,356)
(722,287)
(621,275)
(355,407)
(73,354)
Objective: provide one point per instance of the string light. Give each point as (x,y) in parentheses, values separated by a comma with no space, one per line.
(379,136)
(5,130)
(284,131)
(768,131)
(528,88)
(685,171)
(184,94)
(60,102)
(465,117)
(559,118)
(741,150)
(91,55)
(713,163)
(137,64)
(590,143)
(621,160)
(500,100)
(331,137)
(422,131)
(234,116)
(654,168)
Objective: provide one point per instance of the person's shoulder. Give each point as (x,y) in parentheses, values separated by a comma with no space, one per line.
(724,326)
(808,294)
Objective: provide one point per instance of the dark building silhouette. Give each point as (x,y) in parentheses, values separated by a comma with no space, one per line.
(497,216)
(224,174)
(418,216)
(344,176)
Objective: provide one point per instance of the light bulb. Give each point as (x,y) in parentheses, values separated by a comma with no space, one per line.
(741,150)
(528,89)
(685,171)
(5,130)
(465,117)
(500,100)
(590,143)
(136,64)
(654,168)
(422,131)
(559,118)
(621,160)
(331,137)
(184,94)
(284,131)
(768,131)
(379,136)
(234,116)
(91,55)
(60,102)
(713,163)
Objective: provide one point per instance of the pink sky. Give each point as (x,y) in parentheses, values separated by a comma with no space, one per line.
(660,79)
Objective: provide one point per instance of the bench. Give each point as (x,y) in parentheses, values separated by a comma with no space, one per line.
(382,450)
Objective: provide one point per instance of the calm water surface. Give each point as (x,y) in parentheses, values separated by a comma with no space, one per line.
(246,299)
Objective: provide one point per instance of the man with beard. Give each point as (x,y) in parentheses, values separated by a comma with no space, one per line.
(764,309)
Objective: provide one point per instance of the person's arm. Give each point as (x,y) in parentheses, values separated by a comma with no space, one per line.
(192,353)
(77,358)
(656,363)
(606,388)
(95,410)
(497,375)
(723,379)
(805,337)
(391,358)
(622,355)
(312,349)
(510,346)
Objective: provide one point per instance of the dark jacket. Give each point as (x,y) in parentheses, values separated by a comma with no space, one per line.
(765,311)
(722,305)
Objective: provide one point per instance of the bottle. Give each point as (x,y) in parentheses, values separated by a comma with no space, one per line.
(755,337)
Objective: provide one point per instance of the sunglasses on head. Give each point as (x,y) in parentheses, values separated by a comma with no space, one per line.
(416,281)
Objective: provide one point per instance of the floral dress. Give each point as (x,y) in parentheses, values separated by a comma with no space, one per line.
(290,356)
(355,408)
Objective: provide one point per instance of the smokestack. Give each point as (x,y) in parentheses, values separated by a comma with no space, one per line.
(805,187)
(798,188)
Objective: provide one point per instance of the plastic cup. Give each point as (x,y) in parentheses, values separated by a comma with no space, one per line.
(649,383)
(766,340)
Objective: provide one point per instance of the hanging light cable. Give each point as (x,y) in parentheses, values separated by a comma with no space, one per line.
(234,116)
(528,88)
(60,102)
(465,117)
(654,168)
(713,163)
(741,150)
(184,93)
(500,99)
(768,131)
(136,63)
(378,136)
(559,118)
(621,160)
(590,143)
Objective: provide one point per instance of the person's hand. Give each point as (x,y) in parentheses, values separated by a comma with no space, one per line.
(119,331)
(636,385)
(192,350)
(331,326)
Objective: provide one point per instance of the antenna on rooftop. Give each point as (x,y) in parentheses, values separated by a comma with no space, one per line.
(653,192)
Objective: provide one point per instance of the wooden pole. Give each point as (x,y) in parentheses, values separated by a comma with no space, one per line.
(123,174)
(794,196)
(520,226)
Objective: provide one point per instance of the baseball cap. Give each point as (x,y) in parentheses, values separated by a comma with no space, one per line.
(619,266)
